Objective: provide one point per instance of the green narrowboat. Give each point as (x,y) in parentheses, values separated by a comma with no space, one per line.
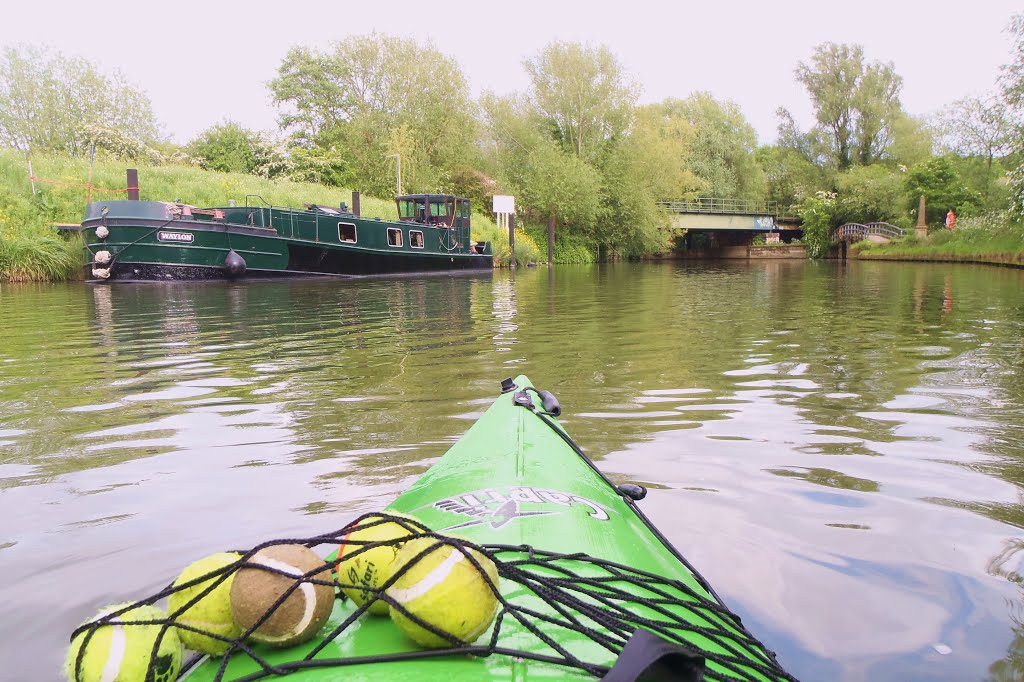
(155,240)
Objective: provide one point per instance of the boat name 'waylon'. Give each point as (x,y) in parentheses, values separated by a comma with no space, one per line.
(185,237)
(498,506)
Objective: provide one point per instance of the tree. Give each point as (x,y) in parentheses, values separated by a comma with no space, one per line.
(943,188)
(1013,94)
(225,147)
(549,181)
(854,102)
(47,101)
(1012,80)
(723,146)
(913,140)
(979,126)
(373,96)
(583,94)
(867,194)
(789,175)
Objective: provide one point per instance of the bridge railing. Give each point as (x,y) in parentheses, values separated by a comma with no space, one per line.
(853,232)
(729,205)
(720,205)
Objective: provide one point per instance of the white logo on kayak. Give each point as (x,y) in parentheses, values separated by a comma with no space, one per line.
(499,506)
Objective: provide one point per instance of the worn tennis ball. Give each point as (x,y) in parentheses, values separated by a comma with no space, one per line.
(124,652)
(256,591)
(212,613)
(371,567)
(444,589)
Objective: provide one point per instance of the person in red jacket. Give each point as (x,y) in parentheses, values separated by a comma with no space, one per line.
(950,219)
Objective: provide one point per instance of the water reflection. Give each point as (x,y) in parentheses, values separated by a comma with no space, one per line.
(839,449)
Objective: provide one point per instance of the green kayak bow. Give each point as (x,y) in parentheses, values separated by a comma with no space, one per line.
(588,589)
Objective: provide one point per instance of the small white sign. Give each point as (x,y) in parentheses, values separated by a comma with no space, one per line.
(504,203)
(181,237)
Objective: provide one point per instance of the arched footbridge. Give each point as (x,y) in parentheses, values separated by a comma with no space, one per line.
(876,232)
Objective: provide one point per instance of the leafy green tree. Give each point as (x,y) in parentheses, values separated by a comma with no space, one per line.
(855,102)
(817,212)
(1013,94)
(943,188)
(225,147)
(979,126)
(723,146)
(649,164)
(866,194)
(1012,80)
(583,94)
(548,181)
(913,140)
(373,96)
(789,175)
(48,101)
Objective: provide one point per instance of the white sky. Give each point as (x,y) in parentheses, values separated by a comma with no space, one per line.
(202,62)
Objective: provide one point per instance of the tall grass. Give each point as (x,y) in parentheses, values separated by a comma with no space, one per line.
(527,251)
(30,248)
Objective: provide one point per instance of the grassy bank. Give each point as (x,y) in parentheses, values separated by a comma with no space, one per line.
(992,238)
(31,250)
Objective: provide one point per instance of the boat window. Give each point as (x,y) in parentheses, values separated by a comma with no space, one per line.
(438,208)
(407,209)
(464,209)
(394,236)
(346,232)
(416,239)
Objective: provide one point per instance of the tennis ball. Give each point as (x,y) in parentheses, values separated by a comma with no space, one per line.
(212,613)
(444,589)
(256,590)
(372,567)
(124,652)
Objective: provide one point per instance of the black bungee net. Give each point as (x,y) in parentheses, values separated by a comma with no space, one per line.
(583,595)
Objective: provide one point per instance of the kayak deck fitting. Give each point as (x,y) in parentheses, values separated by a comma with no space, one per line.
(588,587)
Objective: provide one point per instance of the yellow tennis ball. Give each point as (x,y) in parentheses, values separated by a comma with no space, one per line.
(212,613)
(445,589)
(372,567)
(124,652)
(302,613)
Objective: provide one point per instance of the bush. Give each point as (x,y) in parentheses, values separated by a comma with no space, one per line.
(570,249)
(817,212)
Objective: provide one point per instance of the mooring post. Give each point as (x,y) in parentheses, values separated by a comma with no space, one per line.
(355,202)
(31,176)
(92,161)
(551,240)
(511,217)
(133,184)
(921,229)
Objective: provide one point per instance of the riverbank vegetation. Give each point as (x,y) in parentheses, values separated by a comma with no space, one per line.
(993,237)
(576,147)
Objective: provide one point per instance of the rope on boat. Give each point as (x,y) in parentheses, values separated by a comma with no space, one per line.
(586,601)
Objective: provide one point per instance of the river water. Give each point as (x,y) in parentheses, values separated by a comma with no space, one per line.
(838,448)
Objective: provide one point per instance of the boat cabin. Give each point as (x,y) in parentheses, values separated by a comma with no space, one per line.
(434,209)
